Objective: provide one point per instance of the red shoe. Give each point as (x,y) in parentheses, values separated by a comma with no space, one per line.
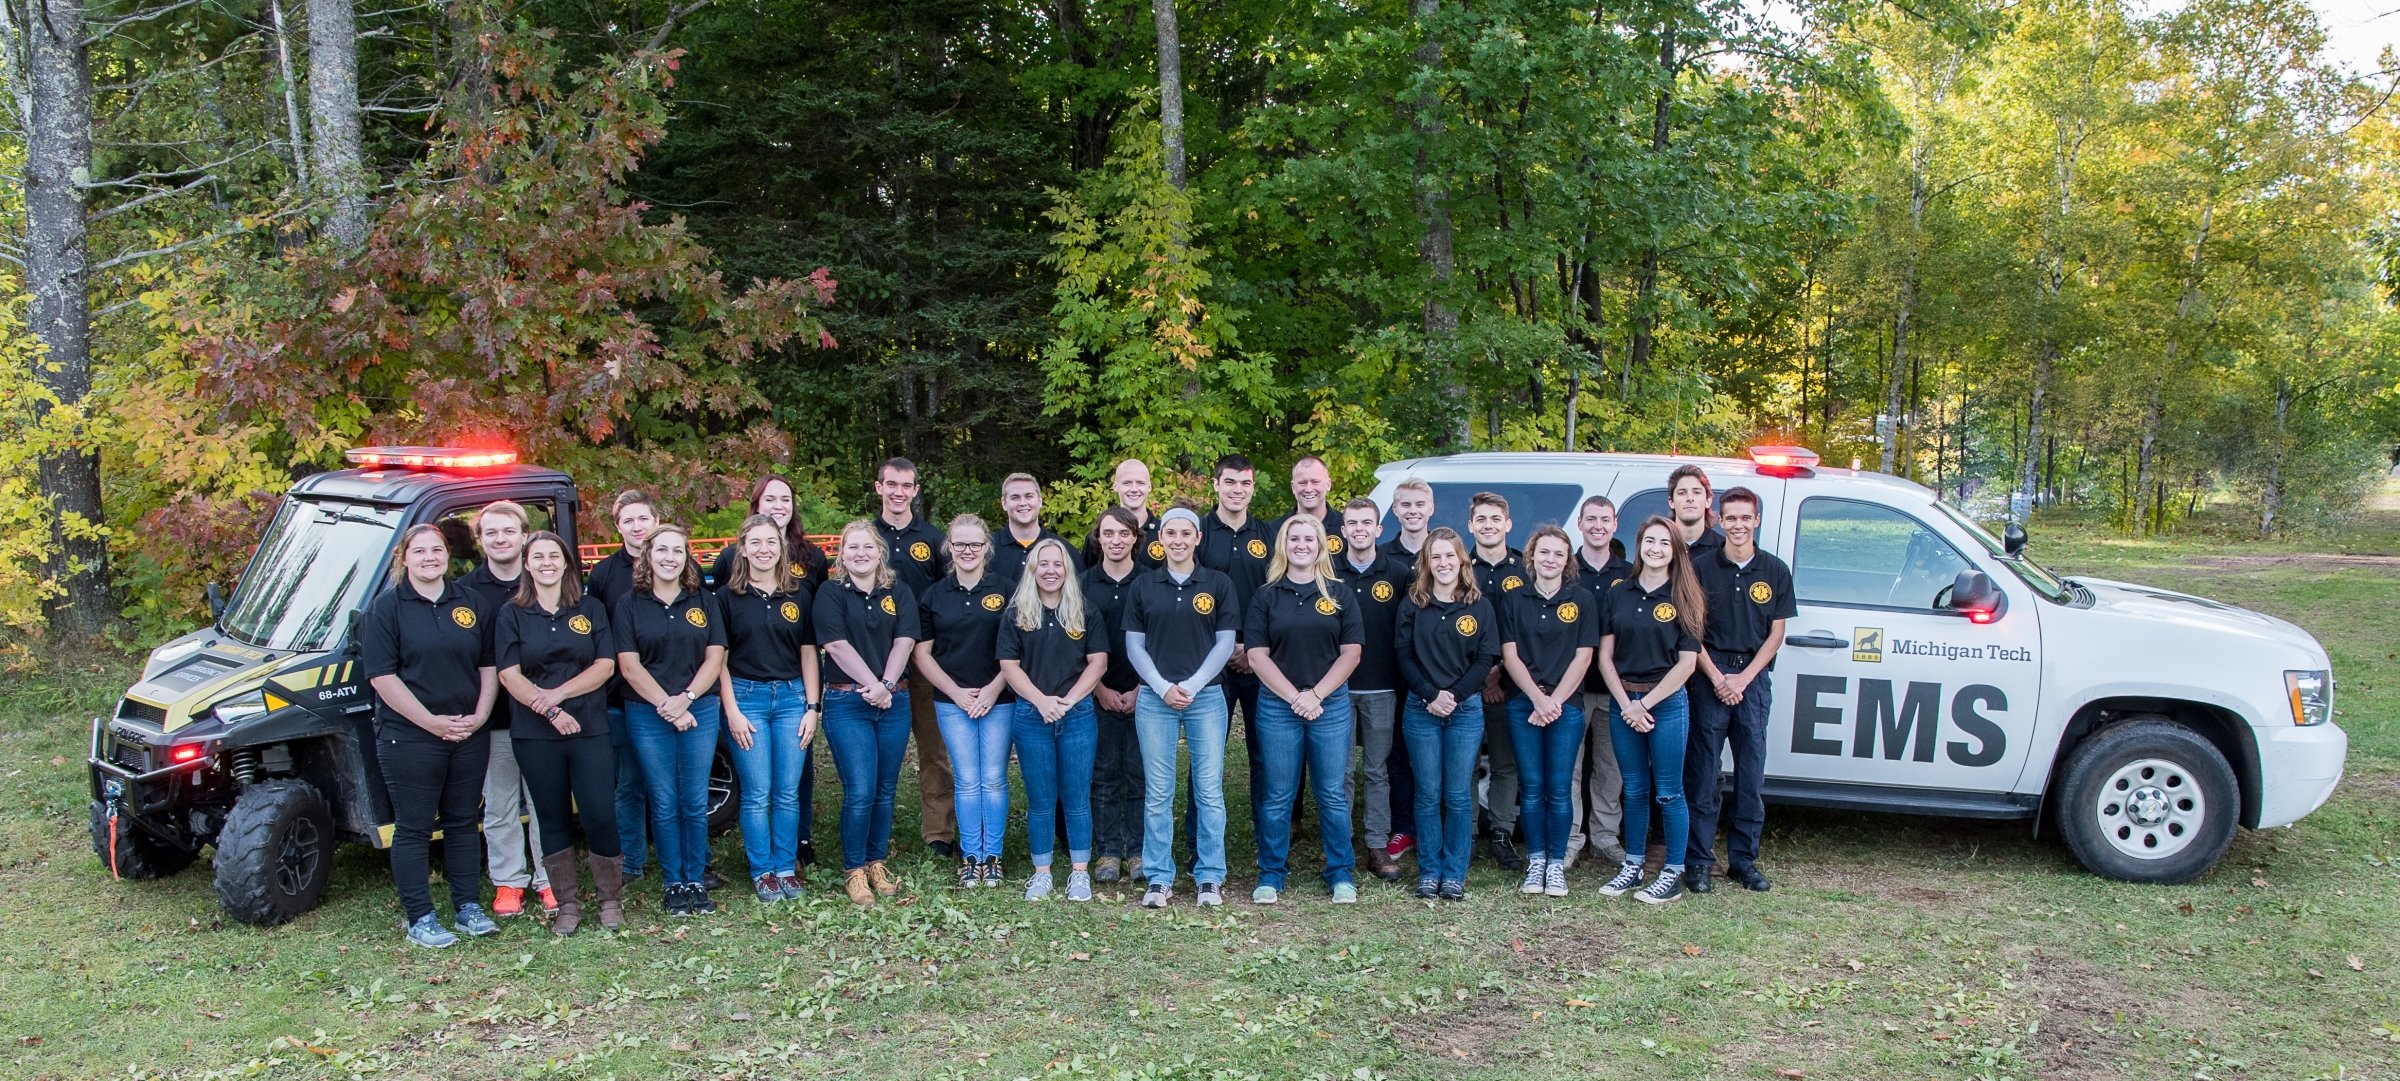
(549,901)
(1399,845)
(508,901)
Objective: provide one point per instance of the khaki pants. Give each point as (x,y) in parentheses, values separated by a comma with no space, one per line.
(508,827)
(937,791)
(1603,787)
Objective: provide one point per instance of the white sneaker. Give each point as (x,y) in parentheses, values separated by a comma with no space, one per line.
(1537,870)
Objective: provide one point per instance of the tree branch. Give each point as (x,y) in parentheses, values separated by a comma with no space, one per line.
(674,15)
(153,253)
(149,15)
(130,204)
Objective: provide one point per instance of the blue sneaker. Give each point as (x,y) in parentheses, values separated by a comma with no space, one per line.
(427,930)
(472,921)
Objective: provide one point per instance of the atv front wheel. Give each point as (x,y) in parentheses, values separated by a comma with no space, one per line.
(275,854)
(127,852)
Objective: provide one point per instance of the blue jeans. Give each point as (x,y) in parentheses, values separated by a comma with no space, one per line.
(1057,762)
(1442,751)
(1653,765)
(1161,727)
(1713,725)
(1546,774)
(868,744)
(978,749)
(776,773)
(1323,746)
(675,766)
(633,797)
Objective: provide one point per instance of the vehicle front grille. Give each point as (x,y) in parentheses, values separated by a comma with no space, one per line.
(141,712)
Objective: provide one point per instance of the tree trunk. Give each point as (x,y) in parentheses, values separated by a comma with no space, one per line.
(1438,248)
(58,159)
(1645,282)
(1920,193)
(470,93)
(334,150)
(295,142)
(1170,87)
(2154,411)
(2270,495)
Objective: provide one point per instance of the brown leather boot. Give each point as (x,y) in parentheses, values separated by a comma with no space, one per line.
(608,880)
(560,866)
(854,883)
(880,877)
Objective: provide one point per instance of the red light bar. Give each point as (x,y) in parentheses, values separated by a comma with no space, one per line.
(428,458)
(185,753)
(1777,461)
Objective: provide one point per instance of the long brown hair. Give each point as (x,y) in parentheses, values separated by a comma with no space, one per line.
(1420,590)
(1552,531)
(645,577)
(570,584)
(1691,603)
(737,574)
(399,568)
(796,545)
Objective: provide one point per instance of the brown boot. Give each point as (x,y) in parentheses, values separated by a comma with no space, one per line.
(880,877)
(608,880)
(854,883)
(560,866)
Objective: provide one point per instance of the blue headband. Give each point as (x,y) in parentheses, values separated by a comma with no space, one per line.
(1184,513)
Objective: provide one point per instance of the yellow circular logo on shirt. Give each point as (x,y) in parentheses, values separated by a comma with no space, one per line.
(1258,549)
(1157,550)
(890,608)
(1467,624)
(463,616)
(920,551)
(1333,545)
(1568,611)
(799,571)
(1511,582)
(1326,607)
(1664,613)
(1761,593)
(1073,635)
(992,602)
(1382,591)
(580,624)
(790,611)
(1615,582)
(695,617)
(1203,603)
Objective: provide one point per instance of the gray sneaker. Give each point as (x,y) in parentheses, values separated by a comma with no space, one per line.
(1037,888)
(1079,886)
(1210,895)
(472,921)
(427,930)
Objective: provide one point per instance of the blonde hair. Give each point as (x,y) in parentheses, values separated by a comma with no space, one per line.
(1027,603)
(645,573)
(976,520)
(506,509)
(785,580)
(399,568)
(1412,484)
(883,552)
(1279,568)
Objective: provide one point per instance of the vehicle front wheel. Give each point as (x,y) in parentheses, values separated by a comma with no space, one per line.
(2148,800)
(127,852)
(275,854)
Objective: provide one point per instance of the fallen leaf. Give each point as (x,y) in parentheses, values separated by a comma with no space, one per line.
(1857,965)
(1789,1074)
(1079,956)
(1690,950)
(2185,908)
(2315,975)
(2258,882)
(29,1041)
(1578,1004)
(2356,965)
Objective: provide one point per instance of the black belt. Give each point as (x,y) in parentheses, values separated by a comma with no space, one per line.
(1729,659)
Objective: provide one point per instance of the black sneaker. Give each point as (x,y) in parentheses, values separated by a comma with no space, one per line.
(1749,877)
(676,905)
(1210,895)
(992,876)
(1504,851)
(1629,879)
(807,853)
(969,876)
(943,849)
(1156,896)
(1429,887)
(1667,887)
(1696,879)
(711,880)
(1454,890)
(696,902)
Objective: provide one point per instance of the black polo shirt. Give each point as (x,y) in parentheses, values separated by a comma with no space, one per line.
(611,578)
(1331,520)
(1301,629)
(1179,621)
(493,591)
(670,638)
(1381,587)
(1498,579)
(1647,629)
(1108,595)
(435,646)
(1744,602)
(766,634)
(1007,557)
(1052,658)
(551,648)
(962,624)
(1148,551)
(1548,630)
(1603,576)
(1447,646)
(870,622)
(1241,555)
(1710,538)
(808,564)
(916,555)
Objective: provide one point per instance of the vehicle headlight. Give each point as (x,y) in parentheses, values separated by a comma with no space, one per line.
(242,707)
(2311,693)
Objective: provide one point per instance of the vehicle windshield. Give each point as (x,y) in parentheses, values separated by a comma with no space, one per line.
(2049,585)
(318,563)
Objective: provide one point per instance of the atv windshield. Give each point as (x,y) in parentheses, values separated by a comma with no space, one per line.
(318,563)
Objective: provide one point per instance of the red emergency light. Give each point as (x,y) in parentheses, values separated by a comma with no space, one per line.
(184,753)
(1779,461)
(428,458)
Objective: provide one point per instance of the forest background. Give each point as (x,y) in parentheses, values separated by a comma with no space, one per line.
(2045,253)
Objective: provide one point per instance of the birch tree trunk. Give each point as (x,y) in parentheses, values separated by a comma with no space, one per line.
(1170,88)
(333,116)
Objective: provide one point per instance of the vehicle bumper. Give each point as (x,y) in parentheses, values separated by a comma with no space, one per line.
(2297,770)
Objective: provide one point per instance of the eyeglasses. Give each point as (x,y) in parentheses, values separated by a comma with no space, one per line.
(967,546)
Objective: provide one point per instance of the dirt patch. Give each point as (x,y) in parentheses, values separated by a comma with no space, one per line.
(1482,1031)
(2315,561)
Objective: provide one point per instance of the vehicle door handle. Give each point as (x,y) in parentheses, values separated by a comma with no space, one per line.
(1819,640)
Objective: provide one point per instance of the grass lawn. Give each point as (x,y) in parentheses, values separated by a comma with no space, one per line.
(1891,947)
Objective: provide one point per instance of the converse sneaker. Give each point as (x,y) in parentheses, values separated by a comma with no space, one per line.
(969,875)
(1429,887)
(427,930)
(1037,888)
(1668,887)
(992,877)
(1156,896)
(1210,895)
(1629,879)
(1079,885)
(1537,870)
(1554,881)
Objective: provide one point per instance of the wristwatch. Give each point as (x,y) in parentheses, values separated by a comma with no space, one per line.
(891,684)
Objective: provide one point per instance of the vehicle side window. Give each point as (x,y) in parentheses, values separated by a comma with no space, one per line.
(458,528)
(1633,511)
(1863,554)
(1529,505)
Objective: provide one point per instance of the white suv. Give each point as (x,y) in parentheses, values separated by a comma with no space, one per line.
(1933,669)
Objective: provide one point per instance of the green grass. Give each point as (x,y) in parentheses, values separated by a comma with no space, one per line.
(1891,947)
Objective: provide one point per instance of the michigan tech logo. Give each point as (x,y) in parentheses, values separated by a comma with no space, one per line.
(463,616)
(1761,593)
(1664,613)
(1203,603)
(695,617)
(1466,625)
(1866,644)
(580,624)
(992,602)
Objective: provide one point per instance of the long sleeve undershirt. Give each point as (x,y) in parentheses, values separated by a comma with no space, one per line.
(1137,652)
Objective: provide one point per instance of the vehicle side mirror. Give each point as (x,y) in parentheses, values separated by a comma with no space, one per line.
(216,601)
(2012,539)
(1974,594)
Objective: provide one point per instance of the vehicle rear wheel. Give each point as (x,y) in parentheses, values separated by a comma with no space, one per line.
(724,793)
(275,854)
(2148,800)
(127,852)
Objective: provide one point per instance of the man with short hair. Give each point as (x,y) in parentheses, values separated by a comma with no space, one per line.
(508,828)
(1688,493)
(1236,544)
(1312,491)
(1499,570)
(1131,483)
(1412,507)
(1021,506)
(914,551)
(1601,566)
(1380,580)
(635,515)
(1749,599)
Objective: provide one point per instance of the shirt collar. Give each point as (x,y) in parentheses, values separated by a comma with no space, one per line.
(449,594)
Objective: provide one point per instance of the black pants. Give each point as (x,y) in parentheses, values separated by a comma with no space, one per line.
(1117,789)
(567,776)
(434,783)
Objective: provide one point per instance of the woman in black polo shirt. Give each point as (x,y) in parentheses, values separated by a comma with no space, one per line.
(425,649)
(1447,642)
(1304,635)
(771,496)
(867,623)
(670,648)
(556,654)
(1648,647)
(1548,635)
(769,688)
(1053,649)
(961,616)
